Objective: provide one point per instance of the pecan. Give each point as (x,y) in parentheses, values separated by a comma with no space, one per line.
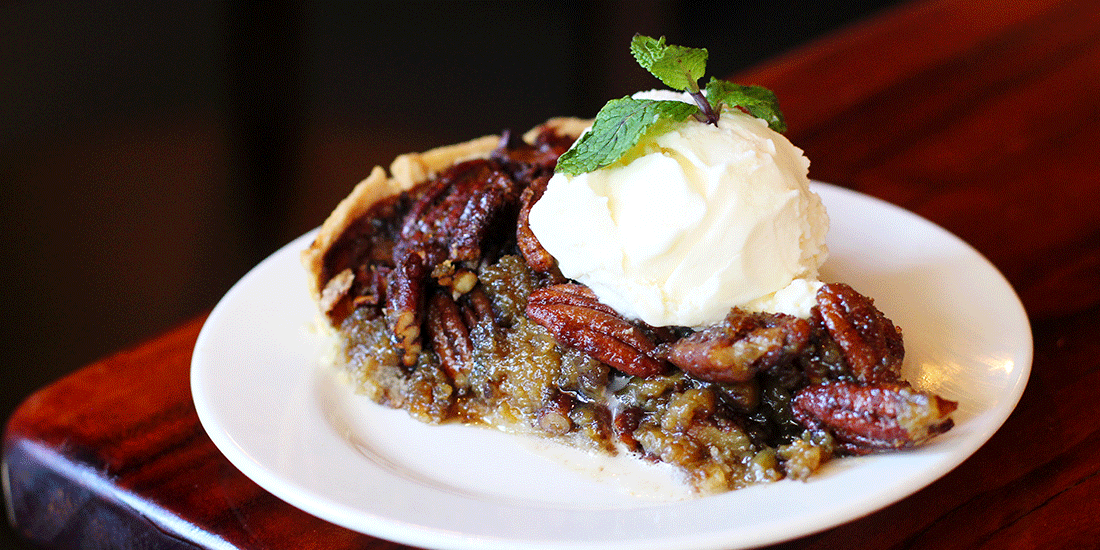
(456,210)
(578,320)
(870,417)
(553,416)
(742,345)
(493,191)
(529,246)
(871,343)
(404,304)
(823,358)
(447,224)
(570,294)
(533,163)
(478,308)
(449,336)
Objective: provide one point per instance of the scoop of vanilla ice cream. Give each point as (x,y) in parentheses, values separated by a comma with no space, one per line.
(691,223)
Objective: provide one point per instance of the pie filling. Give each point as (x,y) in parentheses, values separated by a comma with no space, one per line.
(445,305)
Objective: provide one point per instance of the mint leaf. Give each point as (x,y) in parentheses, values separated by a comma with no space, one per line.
(618,127)
(679,67)
(757,101)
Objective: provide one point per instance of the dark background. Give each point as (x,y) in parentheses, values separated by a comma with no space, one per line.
(152,152)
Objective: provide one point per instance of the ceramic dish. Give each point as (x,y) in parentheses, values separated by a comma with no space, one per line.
(283,416)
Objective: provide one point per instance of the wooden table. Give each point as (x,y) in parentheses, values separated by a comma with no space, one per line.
(980,116)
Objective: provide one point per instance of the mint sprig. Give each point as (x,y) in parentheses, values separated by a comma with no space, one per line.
(679,67)
(622,123)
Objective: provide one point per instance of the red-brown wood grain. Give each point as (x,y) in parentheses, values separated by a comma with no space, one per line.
(113,456)
(981,116)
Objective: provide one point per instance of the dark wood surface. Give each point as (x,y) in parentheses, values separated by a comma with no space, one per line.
(980,116)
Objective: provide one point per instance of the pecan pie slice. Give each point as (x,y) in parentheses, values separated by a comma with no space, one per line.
(444,304)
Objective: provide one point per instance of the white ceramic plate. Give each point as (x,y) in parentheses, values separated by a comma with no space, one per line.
(281,415)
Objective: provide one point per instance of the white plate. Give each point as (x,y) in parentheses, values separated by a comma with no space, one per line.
(281,415)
